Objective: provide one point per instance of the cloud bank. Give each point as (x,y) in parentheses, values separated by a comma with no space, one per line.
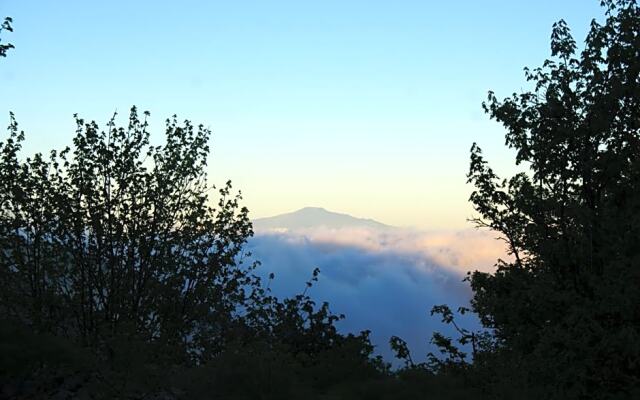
(385,280)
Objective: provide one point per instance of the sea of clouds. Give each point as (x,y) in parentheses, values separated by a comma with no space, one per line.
(384,280)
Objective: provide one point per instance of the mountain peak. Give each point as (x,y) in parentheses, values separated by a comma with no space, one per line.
(312,217)
(312,209)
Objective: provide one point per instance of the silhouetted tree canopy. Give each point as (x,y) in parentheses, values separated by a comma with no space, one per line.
(565,313)
(117,237)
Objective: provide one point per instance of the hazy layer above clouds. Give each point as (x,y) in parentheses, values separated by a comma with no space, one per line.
(382,278)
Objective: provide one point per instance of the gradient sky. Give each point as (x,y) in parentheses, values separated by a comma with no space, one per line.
(363,107)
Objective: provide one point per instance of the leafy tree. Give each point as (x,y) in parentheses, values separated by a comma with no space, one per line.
(565,310)
(116,238)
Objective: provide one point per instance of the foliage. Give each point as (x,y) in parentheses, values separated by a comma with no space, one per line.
(116,238)
(455,360)
(564,312)
(6,25)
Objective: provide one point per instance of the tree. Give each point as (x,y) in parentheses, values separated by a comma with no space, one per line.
(565,311)
(117,239)
(6,25)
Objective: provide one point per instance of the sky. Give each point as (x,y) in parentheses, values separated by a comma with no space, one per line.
(363,107)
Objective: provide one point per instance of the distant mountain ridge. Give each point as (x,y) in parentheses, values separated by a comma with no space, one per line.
(311,217)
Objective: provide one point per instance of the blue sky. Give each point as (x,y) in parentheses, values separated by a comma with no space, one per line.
(363,107)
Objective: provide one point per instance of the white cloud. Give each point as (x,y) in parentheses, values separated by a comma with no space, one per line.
(462,251)
(385,280)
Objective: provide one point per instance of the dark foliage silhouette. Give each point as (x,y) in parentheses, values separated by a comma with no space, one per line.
(565,312)
(115,238)
(561,320)
(6,25)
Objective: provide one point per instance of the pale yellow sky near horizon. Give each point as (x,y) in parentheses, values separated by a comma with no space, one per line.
(422,186)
